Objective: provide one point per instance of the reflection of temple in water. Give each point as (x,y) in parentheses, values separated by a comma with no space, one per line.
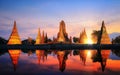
(14,39)
(103,55)
(82,40)
(62,57)
(41,54)
(104,40)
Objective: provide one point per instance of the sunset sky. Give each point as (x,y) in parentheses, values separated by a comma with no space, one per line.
(46,14)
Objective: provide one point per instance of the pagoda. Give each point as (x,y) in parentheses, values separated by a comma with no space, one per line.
(103,38)
(43,38)
(14,39)
(38,38)
(62,36)
(83,37)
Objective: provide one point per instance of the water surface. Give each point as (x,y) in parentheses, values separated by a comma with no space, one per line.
(59,62)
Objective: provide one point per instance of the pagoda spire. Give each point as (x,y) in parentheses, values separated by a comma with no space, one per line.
(83,37)
(46,38)
(103,37)
(61,37)
(43,37)
(14,37)
(62,26)
(62,31)
(38,39)
(103,24)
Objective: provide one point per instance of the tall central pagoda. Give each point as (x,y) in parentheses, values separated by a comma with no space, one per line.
(62,35)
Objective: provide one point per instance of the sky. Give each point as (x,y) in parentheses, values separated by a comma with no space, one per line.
(47,14)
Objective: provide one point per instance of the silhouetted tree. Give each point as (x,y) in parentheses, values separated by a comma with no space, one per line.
(3,41)
(28,42)
(95,35)
(116,40)
(75,39)
(116,52)
(49,40)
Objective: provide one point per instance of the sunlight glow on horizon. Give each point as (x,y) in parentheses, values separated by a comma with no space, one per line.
(89,41)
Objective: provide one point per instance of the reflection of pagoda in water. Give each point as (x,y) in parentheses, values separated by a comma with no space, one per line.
(103,55)
(82,40)
(104,40)
(62,57)
(62,35)
(40,53)
(14,39)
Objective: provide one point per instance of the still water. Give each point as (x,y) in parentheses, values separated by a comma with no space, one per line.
(59,62)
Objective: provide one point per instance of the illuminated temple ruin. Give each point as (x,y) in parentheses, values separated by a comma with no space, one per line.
(83,37)
(105,39)
(38,39)
(62,35)
(14,39)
